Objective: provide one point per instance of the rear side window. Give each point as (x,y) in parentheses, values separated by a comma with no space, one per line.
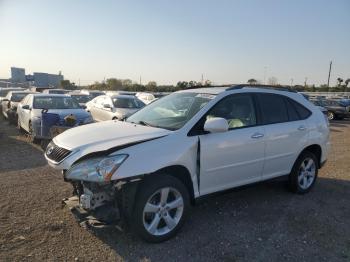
(302,111)
(273,109)
(292,112)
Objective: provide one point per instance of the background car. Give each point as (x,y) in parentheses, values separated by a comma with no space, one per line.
(5,90)
(10,102)
(336,108)
(55,91)
(116,107)
(92,93)
(81,98)
(146,97)
(30,109)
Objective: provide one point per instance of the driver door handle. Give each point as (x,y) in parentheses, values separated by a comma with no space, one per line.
(301,128)
(257,135)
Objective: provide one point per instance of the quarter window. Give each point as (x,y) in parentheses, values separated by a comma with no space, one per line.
(302,111)
(238,110)
(273,109)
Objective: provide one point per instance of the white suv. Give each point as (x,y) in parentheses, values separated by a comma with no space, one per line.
(151,168)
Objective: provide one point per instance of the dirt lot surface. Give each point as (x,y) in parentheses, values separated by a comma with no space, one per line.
(263,222)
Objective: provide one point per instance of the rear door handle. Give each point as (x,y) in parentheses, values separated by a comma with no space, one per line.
(257,135)
(301,128)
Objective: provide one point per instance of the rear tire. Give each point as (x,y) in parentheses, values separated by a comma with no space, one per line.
(304,173)
(161,207)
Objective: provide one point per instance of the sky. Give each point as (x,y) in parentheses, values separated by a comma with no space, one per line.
(169,41)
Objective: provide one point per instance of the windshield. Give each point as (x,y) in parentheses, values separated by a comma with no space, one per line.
(55,102)
(123,102)
(17,97)
(171,112)
(81,98)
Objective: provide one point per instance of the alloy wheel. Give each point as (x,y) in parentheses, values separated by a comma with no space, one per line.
(163,211)
(307,173)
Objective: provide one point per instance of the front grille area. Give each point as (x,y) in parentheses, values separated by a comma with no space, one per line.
(56,153)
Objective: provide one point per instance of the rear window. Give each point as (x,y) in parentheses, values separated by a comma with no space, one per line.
(273,109)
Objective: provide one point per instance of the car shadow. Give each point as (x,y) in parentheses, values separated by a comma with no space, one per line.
(16,153)
(259,222)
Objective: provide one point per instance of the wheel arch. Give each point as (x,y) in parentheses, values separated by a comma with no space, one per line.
(180,172)
(316,150)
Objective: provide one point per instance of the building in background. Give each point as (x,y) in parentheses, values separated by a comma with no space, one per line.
(47,80)
(18,75)
(38,79)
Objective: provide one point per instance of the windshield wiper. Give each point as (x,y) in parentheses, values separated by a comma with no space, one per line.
(144,123)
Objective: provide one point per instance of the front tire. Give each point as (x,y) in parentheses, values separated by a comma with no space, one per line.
(304,173)
(160,208)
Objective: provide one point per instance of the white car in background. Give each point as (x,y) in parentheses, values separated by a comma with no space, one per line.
(145,97)
(186,145)
(117,107)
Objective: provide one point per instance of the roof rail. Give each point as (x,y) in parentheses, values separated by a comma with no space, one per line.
(279,88)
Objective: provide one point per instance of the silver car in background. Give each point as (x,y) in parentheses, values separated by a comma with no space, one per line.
(11,100)
(116,107)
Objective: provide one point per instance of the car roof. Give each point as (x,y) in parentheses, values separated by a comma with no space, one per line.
(123,96)
(22,92)
(215,90)
(50,95)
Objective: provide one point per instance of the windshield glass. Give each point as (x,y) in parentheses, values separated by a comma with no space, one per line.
(17,97)
(54,102)
(171,112)
(123,102)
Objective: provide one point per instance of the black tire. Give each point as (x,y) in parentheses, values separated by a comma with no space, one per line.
(294,176)
(146,190)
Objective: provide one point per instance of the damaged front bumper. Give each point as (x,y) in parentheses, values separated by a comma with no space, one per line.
(101,203)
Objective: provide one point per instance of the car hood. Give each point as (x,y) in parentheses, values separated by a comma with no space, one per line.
(106,135)
(79,113)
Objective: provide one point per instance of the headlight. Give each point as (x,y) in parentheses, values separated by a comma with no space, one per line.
(98,169)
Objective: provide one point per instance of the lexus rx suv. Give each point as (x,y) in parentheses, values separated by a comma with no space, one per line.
(151,168)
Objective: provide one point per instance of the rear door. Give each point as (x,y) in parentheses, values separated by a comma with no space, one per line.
(235,157)
(286,132)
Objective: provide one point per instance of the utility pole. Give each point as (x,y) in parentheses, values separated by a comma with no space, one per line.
(329,73)
(202,80)
(291,82)
(140,80)
(265,74)
(305,81)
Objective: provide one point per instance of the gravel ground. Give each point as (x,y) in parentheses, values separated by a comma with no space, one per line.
(263,222)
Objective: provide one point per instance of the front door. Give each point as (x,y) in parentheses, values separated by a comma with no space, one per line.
(235,157)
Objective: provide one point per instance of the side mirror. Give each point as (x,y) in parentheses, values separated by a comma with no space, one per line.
(5,100)
(25,107)
(83,106)
(216,125)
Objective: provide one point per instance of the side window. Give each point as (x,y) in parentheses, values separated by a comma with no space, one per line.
(238,110)
(302,111)
(273,109)
(292,112)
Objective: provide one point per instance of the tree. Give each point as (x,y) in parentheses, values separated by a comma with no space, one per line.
(340,80)
(272,81)
(66,84)
(151,86)
(207,83)
(252,81)
(347,81)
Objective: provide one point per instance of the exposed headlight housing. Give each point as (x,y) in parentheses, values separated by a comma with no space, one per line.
(99,169)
